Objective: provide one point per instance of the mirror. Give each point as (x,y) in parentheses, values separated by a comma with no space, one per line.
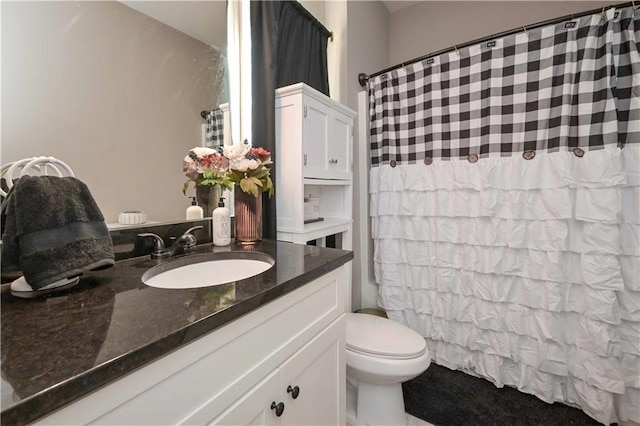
(115,90)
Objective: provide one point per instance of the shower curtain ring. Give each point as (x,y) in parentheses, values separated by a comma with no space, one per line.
(457,51)
(525,31)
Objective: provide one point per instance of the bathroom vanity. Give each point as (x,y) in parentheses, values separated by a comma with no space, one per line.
(265,350)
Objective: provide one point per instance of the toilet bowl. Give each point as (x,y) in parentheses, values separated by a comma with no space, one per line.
(381,354)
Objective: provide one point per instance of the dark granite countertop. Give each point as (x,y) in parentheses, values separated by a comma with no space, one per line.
(59,348)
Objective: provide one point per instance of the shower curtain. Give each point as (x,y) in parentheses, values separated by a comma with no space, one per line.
(505,198)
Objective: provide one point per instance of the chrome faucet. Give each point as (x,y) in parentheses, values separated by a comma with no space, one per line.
(184,244)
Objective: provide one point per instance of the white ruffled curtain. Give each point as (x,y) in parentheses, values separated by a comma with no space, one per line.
(524,271)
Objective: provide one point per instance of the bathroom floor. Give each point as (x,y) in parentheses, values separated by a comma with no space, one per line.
(414,421)
(351,411)
(449,397)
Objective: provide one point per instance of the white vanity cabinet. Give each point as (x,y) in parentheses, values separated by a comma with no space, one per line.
(314,158)
(237,373)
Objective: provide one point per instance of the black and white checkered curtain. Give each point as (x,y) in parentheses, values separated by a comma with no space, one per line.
(553,88)
(505,205)
(214,132)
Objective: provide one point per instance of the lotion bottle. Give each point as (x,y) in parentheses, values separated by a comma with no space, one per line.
(194,211)
(221,225)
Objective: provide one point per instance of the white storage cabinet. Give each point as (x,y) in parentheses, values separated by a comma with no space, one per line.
(314,157)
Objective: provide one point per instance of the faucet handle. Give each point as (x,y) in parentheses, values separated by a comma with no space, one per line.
(190,230)
(188,239)
(158,243)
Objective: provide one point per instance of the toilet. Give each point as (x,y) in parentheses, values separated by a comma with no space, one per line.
(381,354)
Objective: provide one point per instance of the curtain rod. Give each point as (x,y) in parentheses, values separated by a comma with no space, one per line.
(300,8)
(364,78)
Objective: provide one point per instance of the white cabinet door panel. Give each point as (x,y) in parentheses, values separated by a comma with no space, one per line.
(317,371)
(254,408)
(340,146)
(315,137)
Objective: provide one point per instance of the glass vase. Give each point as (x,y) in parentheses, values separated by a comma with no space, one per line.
(248,216)
(207,197)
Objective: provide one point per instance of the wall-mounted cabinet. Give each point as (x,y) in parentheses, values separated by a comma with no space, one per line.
(314,137)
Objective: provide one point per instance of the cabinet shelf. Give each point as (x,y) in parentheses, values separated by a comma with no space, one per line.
(313,231)
(327,223)
(313,181)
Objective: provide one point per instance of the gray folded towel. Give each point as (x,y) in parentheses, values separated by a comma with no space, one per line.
(53,229)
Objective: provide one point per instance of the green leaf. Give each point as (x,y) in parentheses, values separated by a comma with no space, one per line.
(261,173)
(185,187)
(256,181)
(227,183)
(249,186)
(269,187)
(246,185)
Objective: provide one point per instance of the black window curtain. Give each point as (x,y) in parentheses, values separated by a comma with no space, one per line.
(302,49)
(288,45)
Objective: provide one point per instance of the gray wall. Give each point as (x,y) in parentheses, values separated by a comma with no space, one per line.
(430,26)
(368,35)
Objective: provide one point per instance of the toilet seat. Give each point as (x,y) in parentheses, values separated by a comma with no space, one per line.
(380,337)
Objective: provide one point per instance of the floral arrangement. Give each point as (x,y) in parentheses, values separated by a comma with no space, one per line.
(237,164)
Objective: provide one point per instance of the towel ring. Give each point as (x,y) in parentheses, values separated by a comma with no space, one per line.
(3,171)
(27,164)
(12,168)
(24,166)
(48,161)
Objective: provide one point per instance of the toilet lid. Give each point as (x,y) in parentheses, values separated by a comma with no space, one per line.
(373,335)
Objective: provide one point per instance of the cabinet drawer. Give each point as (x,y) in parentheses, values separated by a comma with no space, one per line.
(209,374)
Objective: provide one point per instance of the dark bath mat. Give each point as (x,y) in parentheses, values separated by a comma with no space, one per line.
(446,397)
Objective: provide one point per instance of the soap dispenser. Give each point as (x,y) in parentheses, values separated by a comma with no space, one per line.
(221,225)
(194,211)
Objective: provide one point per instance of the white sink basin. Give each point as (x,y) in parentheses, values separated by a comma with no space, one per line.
(207,270)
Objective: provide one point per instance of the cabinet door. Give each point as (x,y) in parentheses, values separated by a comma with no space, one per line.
(315,138)
(340,142)
(254,408)
(315,375)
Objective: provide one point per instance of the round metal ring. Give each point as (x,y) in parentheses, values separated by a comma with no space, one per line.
(528,155)
(578,152)
(472,158)
(392,163)
(428,161)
